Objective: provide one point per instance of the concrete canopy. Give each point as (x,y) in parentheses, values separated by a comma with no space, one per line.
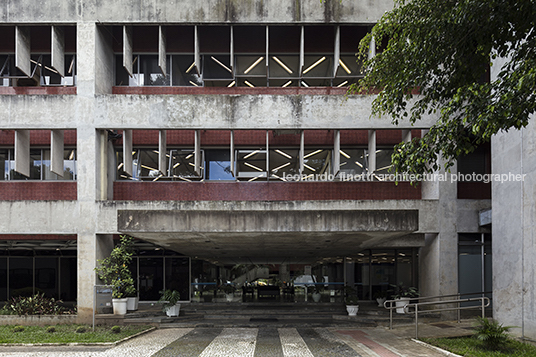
(230,237)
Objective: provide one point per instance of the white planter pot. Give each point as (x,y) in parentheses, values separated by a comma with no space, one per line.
(400,303)
(229,297)
(352,309)
(316,297)
(120,306)
(380,301)
(132,303)
(173,311)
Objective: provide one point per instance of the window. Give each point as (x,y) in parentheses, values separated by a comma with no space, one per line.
(244,56)
(39,165)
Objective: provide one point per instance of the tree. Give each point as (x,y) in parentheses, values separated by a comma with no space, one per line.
(114,270)
(433,58)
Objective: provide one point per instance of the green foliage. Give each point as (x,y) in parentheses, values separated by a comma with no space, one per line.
(169,298)
(35,305)
(492,334)
(18,329)
(80,329)
(51,329)
(114,270)
(116,329)
(442,50)
(467,346)
(66,334)
(351,297)
(402,291)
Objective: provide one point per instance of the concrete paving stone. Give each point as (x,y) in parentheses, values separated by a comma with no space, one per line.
(191,344)
(268,343)
(293,344)
(232,342)
(322,343)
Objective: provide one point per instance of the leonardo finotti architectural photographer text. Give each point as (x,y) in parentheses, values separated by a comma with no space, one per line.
(444,177)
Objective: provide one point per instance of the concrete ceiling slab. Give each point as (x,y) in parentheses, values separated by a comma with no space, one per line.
(230,237)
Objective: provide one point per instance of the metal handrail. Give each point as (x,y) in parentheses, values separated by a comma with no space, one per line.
(484,302)
(391,304)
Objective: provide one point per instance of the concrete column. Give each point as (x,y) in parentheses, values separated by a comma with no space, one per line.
(438,259)
(513,227)
(284,273)
(94,77)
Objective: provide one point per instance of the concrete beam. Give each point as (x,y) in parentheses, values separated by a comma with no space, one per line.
(194,12)
(127,49)
(127,152)
(56,152)
(131,221)
(22,50)
(162,49)
(22,152)
(57,51)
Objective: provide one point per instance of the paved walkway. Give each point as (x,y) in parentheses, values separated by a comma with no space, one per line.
(263,342)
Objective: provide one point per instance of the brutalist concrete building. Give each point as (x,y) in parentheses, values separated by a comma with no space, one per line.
(218,134)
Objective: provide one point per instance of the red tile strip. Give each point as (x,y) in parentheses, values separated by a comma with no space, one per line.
(360,337)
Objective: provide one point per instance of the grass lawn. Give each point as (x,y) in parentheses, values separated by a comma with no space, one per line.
(471,347)
(66,334)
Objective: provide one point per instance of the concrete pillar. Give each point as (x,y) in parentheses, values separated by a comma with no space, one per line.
(438,259)
(513,227)
(94,77)
(284,273)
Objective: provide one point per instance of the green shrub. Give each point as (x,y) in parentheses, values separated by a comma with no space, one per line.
(35,305)
(493,335)
(18,328)
(51,329)
(116,329)
(80,329)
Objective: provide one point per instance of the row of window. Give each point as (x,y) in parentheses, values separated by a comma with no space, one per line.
(282,164)
(281,70)
(39,165)
(43,73)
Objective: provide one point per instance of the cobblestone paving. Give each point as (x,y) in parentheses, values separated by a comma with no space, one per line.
(251,342)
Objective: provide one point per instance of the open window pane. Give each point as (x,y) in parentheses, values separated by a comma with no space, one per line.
(284,162)
(316,162)
(183,71)
(182,166)
(353,162)
(251,164)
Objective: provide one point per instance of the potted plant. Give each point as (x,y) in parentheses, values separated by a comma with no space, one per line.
(170,300)
(317,293)
(403,294)
(351,300)
(132,299)
(380,296)
(114,271)
(228,290)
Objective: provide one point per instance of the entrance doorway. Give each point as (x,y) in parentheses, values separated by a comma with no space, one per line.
(374,272)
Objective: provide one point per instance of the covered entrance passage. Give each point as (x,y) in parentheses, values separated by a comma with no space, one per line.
(284,255)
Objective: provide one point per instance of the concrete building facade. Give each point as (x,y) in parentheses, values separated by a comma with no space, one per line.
(232,111)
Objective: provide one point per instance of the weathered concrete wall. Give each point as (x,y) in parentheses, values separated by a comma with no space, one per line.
(54,217)
(135,221)
(192,11)
(188,111)
(513,227)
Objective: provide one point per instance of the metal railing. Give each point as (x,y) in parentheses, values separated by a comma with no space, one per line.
(391,305)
